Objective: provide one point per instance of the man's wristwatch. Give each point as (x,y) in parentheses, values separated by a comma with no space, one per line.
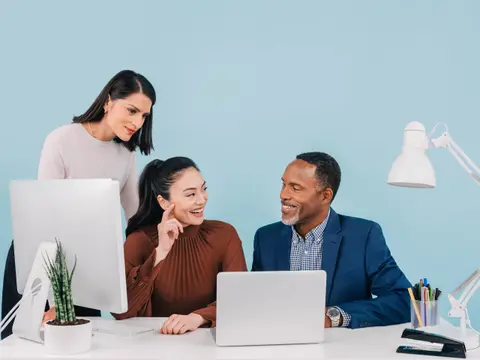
(334,314)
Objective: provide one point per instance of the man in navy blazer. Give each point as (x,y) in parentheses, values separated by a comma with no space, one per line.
(365,286)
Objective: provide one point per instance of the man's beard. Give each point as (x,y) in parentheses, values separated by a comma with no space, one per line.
(292,220)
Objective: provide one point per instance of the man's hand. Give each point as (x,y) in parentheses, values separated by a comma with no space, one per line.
(328,322)
(180,324)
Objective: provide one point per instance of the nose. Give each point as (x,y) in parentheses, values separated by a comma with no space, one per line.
(284,195)
(137,121)
(201,199)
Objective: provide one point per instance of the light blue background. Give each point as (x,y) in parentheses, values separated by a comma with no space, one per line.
(244,86)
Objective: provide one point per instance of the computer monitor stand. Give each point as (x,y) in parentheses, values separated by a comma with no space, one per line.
(28,312)
(31,308)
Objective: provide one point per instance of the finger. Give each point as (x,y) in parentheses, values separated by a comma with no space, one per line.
(166,323)
(176,223)
(176,329)
(172,228)
(163,330)
(184,329)
(166,213)
(180,226)
(172,325)
(171,320)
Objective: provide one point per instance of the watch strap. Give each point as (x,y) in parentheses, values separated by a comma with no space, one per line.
(335,320)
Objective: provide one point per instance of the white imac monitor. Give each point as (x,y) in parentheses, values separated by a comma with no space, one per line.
(85,215)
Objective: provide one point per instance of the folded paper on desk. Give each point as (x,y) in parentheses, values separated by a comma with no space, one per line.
(118,328)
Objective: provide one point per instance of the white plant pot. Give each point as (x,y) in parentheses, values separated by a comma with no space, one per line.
(68,339)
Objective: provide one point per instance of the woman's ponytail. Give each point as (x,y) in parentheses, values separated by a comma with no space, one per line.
(149,210)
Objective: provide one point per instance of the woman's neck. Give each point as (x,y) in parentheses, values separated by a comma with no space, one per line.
(99,130)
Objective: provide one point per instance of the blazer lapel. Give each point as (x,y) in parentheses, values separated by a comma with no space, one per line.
(282,258)
(331,244)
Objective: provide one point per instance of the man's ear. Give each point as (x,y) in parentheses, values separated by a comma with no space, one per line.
(327,195)
(164,204)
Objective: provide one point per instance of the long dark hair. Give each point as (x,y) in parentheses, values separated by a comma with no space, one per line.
(123,84)
(156,179)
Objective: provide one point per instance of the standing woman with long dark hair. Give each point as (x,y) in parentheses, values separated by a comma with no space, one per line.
(101,143)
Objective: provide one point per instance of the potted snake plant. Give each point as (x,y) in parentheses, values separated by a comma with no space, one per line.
(66,334)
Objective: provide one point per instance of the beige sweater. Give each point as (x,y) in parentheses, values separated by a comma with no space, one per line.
(70,152)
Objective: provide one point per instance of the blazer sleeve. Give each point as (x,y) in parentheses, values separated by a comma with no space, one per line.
(388,283)
(140,256)
(233,260)
(256,262)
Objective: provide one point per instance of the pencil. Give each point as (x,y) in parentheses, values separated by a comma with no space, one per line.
(427,308)
(415,307)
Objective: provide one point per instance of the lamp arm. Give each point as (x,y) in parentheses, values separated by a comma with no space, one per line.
(469,292)
(459,307)
(475,176)
(446,141)
(471,285)
(466,281)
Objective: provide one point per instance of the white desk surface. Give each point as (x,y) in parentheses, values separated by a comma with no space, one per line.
(367,343)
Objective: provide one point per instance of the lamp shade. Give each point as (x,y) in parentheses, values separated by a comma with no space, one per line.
(412,168)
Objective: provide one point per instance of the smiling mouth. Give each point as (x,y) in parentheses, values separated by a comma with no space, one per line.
(197,212)
(288,208)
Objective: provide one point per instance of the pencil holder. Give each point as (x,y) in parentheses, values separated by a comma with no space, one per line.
(424,313)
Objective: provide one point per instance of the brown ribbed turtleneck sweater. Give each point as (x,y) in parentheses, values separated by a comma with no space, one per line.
(185,281)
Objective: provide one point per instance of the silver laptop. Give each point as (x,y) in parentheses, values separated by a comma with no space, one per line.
(270,308)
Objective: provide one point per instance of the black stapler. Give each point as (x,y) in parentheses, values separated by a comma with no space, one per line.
(451,347)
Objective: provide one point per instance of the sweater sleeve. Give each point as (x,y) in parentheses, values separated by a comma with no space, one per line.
(140,273)
(129,192)
(233,260)
(51,165)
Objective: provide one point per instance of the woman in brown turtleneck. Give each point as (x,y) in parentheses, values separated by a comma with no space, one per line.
(172,254)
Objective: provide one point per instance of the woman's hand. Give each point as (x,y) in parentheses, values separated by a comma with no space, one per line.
(180,324)
(49,315)
(168,231)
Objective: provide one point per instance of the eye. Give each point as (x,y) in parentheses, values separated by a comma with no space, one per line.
(132,111)
(205,188)
(190,195)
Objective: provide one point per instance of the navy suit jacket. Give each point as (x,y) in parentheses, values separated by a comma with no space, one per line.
(358,264)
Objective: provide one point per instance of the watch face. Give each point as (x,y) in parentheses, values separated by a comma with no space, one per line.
(333,312)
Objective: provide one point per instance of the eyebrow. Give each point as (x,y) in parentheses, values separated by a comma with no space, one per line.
(147,113)
(292,183)
(192,188)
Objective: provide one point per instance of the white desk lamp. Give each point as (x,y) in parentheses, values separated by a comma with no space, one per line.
(459,307)
(412,168)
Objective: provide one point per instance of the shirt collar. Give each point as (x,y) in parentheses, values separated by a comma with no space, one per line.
(314,235)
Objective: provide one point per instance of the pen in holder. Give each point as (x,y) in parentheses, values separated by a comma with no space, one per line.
(424,304)
(424,313)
